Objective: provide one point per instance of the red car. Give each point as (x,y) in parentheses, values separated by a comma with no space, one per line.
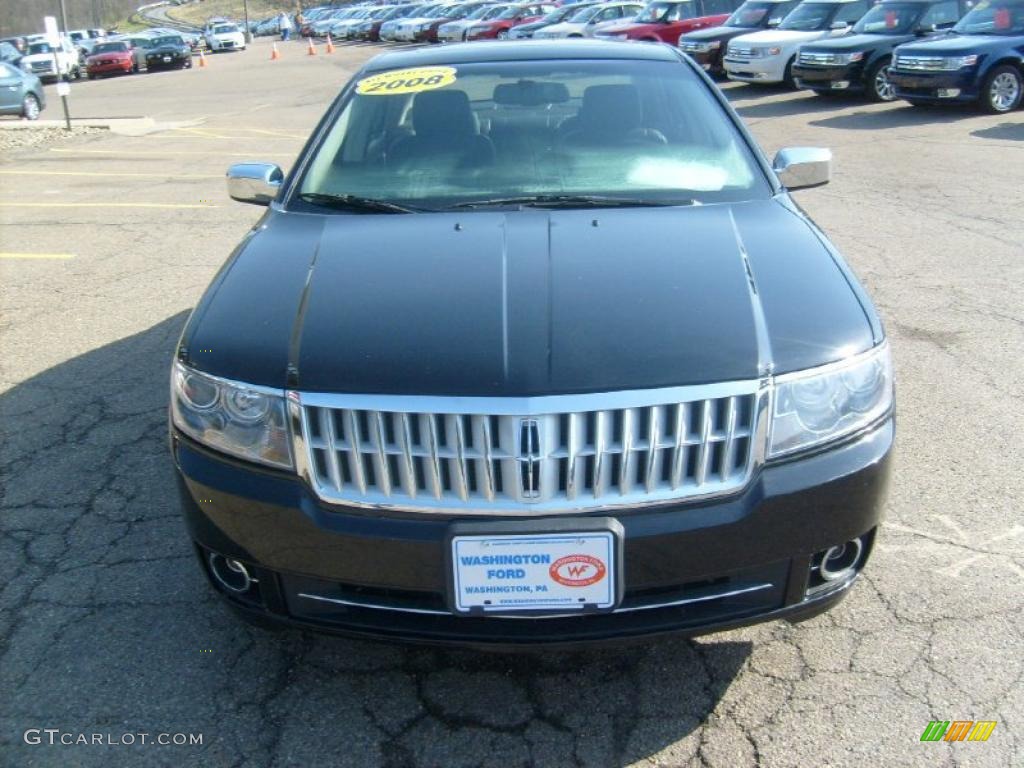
(665,20)
(514,15)
(113,58)
(453,13)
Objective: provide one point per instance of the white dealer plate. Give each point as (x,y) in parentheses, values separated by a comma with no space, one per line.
(556,572)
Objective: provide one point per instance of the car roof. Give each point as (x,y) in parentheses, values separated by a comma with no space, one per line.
(520,50)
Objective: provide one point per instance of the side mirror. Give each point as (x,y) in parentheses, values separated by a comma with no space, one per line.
(926,29)
(773,23)
(803,167)
(839,26)
(256,183)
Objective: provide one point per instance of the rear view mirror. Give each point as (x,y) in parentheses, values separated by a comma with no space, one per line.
(803,167)
(530,93)
(256,183)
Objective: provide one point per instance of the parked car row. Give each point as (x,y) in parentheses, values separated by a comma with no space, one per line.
(922,51)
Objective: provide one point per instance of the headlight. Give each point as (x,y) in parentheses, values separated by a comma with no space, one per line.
(246,421)
(959,62)
(824,404)
(849,58)
(775,51)
(704,47)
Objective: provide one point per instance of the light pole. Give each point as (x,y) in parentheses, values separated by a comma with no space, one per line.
(245,10)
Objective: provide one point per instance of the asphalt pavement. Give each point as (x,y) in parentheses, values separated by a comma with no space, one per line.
(107,627)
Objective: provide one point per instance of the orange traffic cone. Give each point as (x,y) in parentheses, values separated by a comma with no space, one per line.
(274,53)
(330,45)
(202,59)
(312,48)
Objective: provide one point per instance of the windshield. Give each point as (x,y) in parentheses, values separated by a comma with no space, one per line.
(39,48)
(754,14)
(170,40)
(224,29)
(646,132)
(585,15)
(996,17)
(511,12)
(890,19)
(656,12)
(110,48)
(810,17)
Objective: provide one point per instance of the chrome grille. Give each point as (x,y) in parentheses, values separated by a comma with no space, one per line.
(818,59)
(746,52)
(529,456)
(920,63)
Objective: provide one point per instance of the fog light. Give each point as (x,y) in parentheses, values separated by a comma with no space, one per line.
(948,93)
(835,565)
(230,574)
(838,85)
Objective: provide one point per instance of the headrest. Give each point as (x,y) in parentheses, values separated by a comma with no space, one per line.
(442,113)
(611,109)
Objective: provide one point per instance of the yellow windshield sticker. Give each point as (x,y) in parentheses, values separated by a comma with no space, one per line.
(406,81)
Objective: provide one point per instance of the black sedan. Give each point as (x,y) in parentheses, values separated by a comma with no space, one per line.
(532,331)
(168,52)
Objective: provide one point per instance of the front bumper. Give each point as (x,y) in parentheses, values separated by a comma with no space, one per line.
(105,69)
(768,69)
(170,62)
(709,61)
(935,87)
(690,568)
(849,77)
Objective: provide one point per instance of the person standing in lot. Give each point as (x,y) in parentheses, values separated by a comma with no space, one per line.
(286,26)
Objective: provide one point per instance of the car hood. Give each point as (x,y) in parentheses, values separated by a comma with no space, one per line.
(781,37)
(714,33)
(629,26)
(857,42)
(953,45)
(166,49)
(564,27)
(32,57)
(110,55)
(527,302)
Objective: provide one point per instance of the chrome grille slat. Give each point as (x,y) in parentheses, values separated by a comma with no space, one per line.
(472,455)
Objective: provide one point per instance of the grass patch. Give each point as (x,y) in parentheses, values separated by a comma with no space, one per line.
(197,13)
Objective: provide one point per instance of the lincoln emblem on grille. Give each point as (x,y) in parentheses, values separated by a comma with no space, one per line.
(529,458)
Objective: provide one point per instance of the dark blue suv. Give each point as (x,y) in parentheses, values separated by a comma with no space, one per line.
(981,61)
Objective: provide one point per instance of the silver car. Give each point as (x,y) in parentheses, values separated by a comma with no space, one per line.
(589,20)
(21,93)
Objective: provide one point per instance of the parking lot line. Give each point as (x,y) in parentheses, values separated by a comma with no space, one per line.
(104,205)
(278,134)
(15,255)
(161,152)
(115,173)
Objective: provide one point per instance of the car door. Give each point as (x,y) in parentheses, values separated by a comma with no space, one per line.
(10,88)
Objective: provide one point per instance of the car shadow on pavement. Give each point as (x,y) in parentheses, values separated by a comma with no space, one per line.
(899,116)
(1003,132)
(797,105)
(107,625)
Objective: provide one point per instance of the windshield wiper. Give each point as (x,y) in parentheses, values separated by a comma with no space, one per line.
(574,201)
(355,203)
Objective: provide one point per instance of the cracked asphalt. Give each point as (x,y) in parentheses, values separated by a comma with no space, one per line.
(107,626)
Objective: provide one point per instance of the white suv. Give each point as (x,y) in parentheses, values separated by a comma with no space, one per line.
(768,56)
(51,62)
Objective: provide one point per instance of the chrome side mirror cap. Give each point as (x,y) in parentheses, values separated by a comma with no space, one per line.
(256,183)
(803,167)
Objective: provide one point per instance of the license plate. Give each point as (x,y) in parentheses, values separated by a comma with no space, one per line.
(167,59)
(560,572)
